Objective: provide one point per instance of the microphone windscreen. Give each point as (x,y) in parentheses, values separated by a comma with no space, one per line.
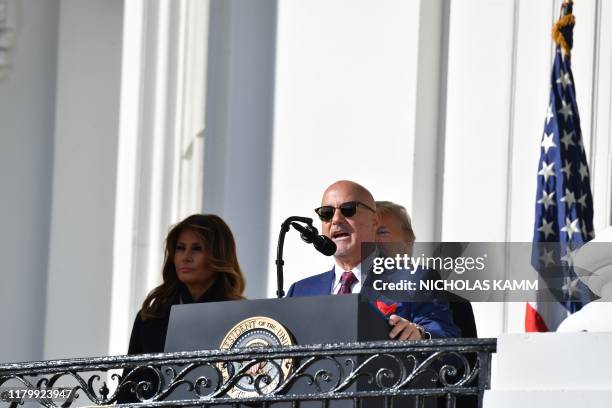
(324,245)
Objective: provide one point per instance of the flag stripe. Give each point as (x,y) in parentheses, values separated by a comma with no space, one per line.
(533,321)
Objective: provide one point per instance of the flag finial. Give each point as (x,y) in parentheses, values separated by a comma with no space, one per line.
(567,7)
(562,32)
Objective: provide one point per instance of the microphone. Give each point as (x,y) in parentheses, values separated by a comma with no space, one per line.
(310,235)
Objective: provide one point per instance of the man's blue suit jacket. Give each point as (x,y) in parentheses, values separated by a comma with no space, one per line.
(435,316)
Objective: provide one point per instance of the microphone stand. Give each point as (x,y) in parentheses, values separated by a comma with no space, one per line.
(279,251)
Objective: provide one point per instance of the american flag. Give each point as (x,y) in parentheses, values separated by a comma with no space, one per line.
(564,204)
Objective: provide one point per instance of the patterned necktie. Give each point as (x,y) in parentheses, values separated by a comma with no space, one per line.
(346,281)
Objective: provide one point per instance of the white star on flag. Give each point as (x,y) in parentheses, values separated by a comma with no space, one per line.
(547,258)
(549,114)
(571,227)
(547,170)
(567,139)
(546,228)
(547,199)
(582,200)
(564,79)
(566,110)
(547,141)
(584,171)
(568,198)
(569,257)
(567,169)
(570,288)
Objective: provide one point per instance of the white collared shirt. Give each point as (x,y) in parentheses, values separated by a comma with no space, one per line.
(338,271)
(356,287)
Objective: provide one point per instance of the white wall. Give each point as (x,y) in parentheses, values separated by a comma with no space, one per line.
(27,100)
(531,370)
(346,80)
(476,162)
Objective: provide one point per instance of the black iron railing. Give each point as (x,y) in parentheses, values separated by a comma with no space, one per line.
(390,373)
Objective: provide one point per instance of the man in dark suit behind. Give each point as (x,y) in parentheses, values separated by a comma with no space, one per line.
(395,230)
(348,217)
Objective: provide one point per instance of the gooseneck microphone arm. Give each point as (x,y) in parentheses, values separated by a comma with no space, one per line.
(279,251)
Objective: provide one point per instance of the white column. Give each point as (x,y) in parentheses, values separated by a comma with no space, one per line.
(239,125)
(27,109)
(430,115)
(478,106)
(601,140)
(84,177)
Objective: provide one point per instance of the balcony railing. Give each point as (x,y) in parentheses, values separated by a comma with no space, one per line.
(389,373)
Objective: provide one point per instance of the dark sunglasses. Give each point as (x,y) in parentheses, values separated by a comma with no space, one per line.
(348,209)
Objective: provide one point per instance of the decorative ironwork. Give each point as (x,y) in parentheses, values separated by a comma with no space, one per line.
(430,368)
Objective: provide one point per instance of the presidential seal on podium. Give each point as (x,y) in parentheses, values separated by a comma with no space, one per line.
(261,376)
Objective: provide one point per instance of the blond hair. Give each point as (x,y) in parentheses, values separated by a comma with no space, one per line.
(399,211)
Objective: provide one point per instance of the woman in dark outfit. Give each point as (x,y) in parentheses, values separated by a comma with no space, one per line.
(200,265)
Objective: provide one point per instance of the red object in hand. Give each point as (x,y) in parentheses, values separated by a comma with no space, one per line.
(385,308)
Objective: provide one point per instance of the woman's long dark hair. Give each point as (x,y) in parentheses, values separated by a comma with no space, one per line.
(220,250)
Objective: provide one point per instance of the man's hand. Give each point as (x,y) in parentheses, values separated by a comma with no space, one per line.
(404,329)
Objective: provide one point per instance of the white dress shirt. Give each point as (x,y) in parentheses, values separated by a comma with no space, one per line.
(338,271)
(357,271)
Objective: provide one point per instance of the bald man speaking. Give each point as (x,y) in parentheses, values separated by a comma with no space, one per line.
(348,217)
